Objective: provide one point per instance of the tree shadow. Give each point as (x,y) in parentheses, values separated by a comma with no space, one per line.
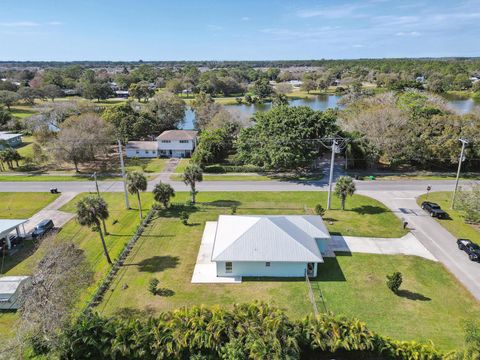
(223,203)
(174,210)
(412,295)
(165,292)
(369,210)
(156,263)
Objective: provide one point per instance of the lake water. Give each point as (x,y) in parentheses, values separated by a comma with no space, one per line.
(323,102)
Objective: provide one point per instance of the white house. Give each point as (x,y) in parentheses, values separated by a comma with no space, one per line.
(10,287)
(269,245)
(177,143)
(142,149)
(10,138)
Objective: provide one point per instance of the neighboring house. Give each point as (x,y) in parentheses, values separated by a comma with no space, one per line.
(10,287)
(177,143)
(122,94)
(269,245)
(12,140)
(142,149)
(420,79)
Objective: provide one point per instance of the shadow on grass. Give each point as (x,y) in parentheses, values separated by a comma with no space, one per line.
(272,279)
(174,210)
(369,210)
(412,295)
(156,263)
(223,203)
(330,270)
(22,253)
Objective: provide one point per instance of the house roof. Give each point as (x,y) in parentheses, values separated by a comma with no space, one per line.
(178,135)
(4,135)
(10,284)
(142,145)
(286,238)
(8,225)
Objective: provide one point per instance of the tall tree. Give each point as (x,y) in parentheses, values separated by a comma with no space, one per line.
(137,182)
(90,212)
(8,98)
(162,193)
(52,91)
(343,188)
(167,110)
(192,175)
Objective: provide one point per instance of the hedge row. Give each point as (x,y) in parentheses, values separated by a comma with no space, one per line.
(222,169)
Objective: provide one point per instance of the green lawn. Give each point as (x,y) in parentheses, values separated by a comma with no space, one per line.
(23,205)
(153,165)
(456,224)
(182,165)
(50,178)
(431,306)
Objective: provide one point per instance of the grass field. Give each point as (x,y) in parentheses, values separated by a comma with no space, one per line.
(53,178)
(154,165)
(431,305)
(182,165)
(456,224)
(23,205)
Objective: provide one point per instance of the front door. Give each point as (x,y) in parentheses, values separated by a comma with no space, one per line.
(311,269)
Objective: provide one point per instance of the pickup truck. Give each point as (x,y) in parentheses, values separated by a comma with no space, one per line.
(472,249)
(434,210)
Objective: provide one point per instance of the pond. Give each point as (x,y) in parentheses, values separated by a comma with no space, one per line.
(323,102)
(319,102)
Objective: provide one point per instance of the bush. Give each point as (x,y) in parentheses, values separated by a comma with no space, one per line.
(233,210)
(222,169)
(394,281)
(184,217)
(152,286)
(319,210)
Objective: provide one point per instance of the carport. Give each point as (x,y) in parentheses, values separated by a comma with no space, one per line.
(9,225)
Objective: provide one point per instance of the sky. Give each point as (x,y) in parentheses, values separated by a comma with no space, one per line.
(67,30)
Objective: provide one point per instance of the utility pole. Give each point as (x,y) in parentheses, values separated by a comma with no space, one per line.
(98,194)
(332,162)
(460,160)
(122,165)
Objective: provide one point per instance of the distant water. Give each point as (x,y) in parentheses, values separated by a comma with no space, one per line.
(462,106)
(319,102)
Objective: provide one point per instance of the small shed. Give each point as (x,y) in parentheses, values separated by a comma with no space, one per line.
(11,139)
(10,287)
(8,226)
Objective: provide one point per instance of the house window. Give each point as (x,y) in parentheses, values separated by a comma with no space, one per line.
(166,141)
(146,151)
(228,267)
(267,264)
(137,152)
(183,141)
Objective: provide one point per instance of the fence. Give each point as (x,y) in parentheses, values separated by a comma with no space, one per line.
(311,296)
(97,297)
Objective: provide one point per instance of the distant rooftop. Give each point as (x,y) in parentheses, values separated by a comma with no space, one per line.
(10,284)
(5,135)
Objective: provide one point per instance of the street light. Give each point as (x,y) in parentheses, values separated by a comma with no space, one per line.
(460,160)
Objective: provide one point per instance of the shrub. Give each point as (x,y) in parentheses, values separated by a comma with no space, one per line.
(394,281)
(152,286)
(184,217)
(233,210)
(319,210)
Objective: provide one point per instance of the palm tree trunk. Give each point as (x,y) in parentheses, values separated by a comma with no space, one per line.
(139,205)
(104,227)
(103,244)
(193,192)
(343,202)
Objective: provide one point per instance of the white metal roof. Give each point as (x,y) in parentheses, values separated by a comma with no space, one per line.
(10,284)
(288,238)
(8,225)
(4,135)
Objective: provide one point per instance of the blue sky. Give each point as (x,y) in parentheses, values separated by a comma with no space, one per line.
(236,30)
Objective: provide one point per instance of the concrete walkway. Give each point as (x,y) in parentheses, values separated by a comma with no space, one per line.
(205,271)
(51,211)
(406,245)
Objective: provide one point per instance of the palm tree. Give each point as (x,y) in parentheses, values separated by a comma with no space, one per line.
(90,211)
(344,187)
(163,193)
(192,175)
(137,182)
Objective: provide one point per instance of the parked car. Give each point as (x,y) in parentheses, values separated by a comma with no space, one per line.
(42,228)
(472,249)
(434,209)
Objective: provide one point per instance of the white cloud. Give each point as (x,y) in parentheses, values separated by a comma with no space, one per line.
(409,33)
(19,24)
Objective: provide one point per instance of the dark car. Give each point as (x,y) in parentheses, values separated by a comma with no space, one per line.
(472,249)
(434,210)
(42,228)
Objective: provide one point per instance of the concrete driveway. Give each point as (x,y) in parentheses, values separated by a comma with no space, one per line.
(205,271)
(406,245)
(432,235)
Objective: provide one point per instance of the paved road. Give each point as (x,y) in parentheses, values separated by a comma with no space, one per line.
(433,236)
(321,185)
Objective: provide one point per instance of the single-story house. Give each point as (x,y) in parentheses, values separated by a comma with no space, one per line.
(269,245)
(11,139)
(10,287)
(142,149)
(124,94)
(170,143)
(177,143)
